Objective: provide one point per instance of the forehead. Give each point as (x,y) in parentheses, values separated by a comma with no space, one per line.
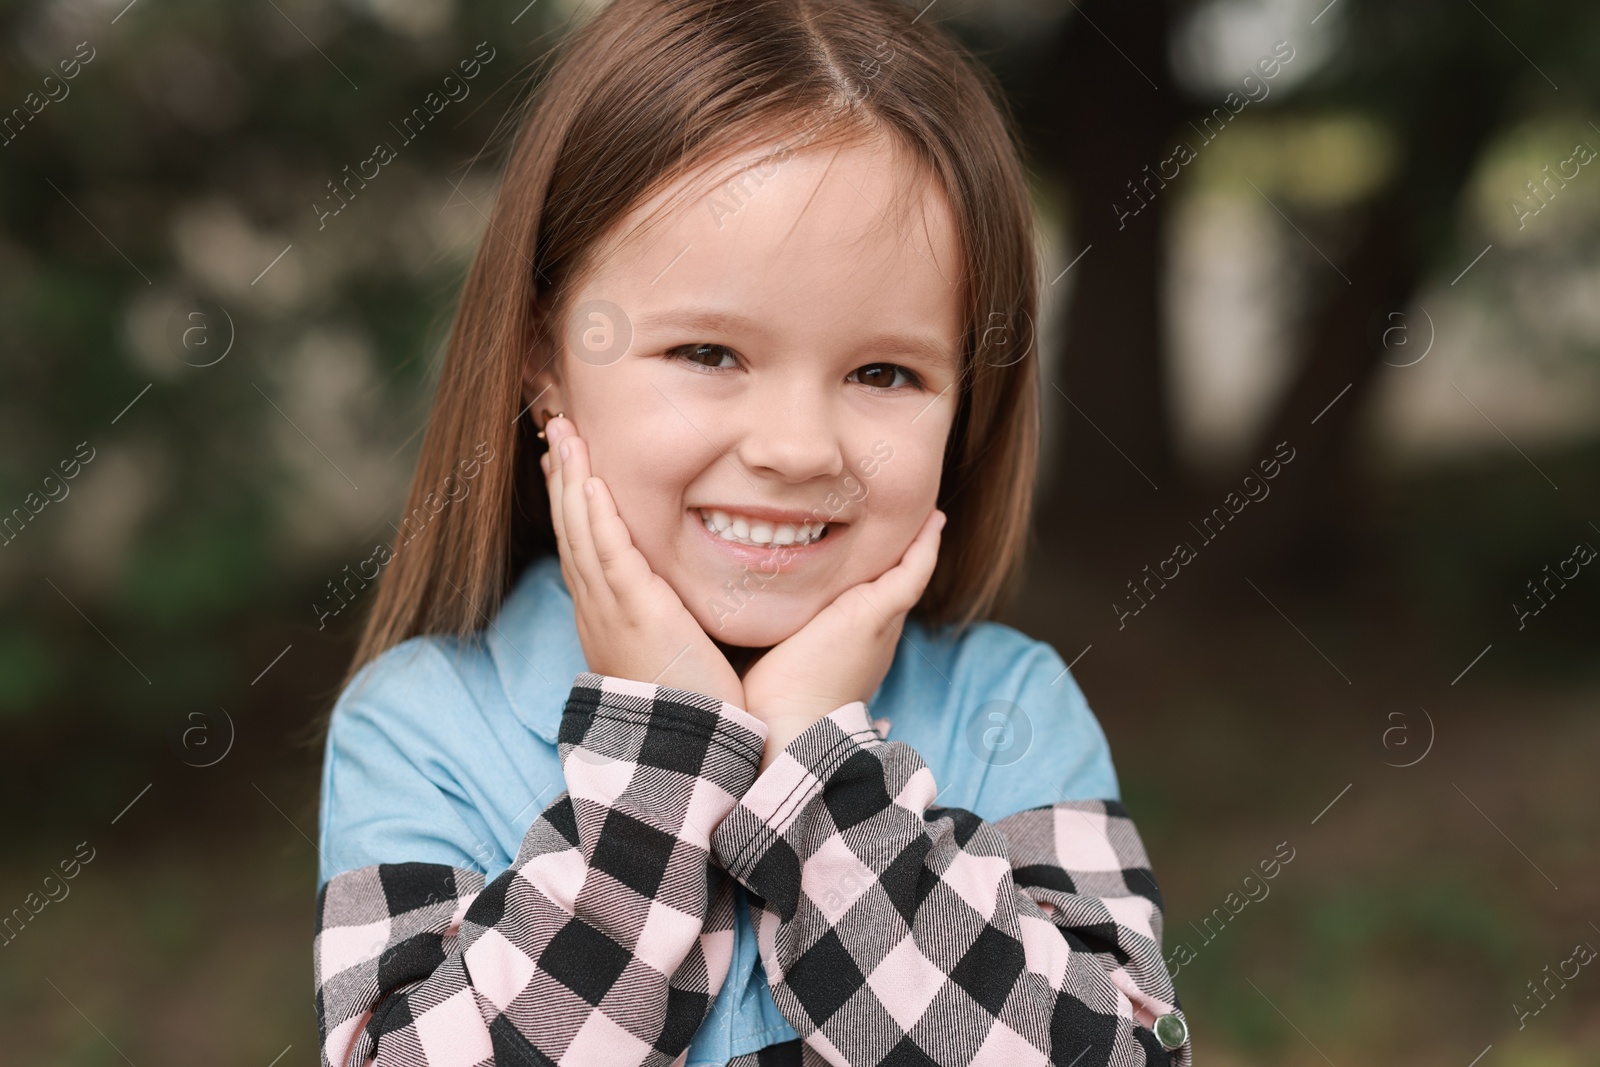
(812,241)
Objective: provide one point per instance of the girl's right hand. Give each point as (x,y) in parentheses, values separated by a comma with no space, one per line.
(631,623)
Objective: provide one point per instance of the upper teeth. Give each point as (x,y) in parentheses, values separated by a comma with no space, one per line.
(748,531)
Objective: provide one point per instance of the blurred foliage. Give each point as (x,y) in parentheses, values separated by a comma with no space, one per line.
(1493,522)
(185,156)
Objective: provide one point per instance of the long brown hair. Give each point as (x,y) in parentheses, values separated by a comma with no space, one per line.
(642,93)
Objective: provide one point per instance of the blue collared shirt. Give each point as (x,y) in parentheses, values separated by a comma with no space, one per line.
(445,752)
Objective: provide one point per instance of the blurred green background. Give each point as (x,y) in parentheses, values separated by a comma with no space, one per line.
(1384,253)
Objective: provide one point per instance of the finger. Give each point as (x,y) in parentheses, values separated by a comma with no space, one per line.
(553,486)
(624,566)
(575,512)
(899,588)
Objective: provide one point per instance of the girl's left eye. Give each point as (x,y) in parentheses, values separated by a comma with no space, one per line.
(884,376)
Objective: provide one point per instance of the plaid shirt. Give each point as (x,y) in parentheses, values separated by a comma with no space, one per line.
(891,931)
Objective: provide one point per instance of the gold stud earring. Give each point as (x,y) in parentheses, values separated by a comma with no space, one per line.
(547,417)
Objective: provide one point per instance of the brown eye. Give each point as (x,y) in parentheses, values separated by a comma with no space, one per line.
(883,375)
(709,356)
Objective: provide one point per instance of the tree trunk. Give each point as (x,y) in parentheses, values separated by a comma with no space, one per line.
(1101,114)
(1307,532)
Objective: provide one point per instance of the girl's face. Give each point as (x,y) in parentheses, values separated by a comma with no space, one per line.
(766,378)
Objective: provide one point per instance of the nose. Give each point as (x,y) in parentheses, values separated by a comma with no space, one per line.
(790,432)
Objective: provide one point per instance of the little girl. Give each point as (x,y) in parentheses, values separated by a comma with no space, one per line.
(603,786)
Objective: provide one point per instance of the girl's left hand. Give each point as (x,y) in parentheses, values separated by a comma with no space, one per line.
(843,653)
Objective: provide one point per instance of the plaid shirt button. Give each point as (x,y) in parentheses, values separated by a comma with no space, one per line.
(1171,1031)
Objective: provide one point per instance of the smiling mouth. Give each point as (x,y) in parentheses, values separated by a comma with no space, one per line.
(760,533)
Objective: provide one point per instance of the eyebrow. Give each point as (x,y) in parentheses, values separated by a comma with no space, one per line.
(727,322)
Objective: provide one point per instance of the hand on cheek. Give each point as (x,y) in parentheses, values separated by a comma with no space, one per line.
(631,623)
(843,654)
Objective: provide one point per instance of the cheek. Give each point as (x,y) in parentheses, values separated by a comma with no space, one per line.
(647,482)
(646,462)
(898,498)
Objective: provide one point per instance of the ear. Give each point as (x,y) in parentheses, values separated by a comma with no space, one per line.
(541,380)
(541,388)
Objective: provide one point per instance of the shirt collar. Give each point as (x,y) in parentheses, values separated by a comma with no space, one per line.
(534,643)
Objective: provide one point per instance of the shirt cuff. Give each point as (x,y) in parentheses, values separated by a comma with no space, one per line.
(612,724)
(796,777)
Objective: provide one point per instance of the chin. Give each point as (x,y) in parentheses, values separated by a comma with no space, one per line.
(763,621)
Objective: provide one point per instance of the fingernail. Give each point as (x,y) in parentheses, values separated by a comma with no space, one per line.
(566,450)
(943,518)
(588,488)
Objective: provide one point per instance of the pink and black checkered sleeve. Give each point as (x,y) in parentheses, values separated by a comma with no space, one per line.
(893,931)
(604,942)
